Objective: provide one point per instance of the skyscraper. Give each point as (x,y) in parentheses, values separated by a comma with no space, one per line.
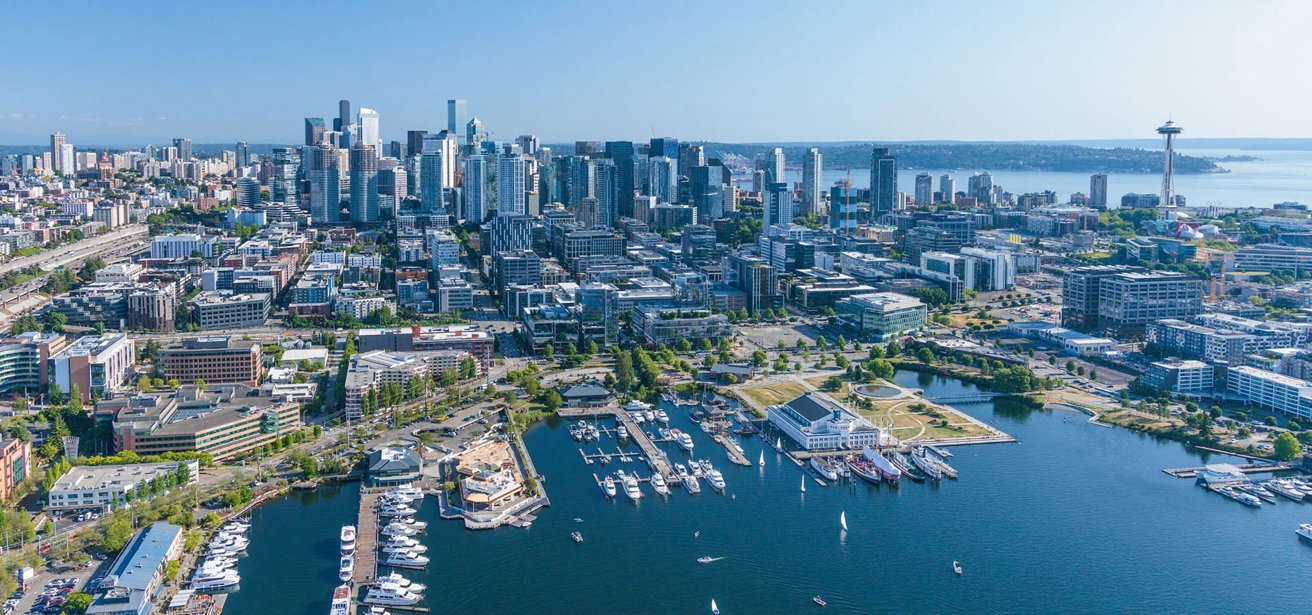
(924,189)
(414,142)
(314,129)
(364,184)
(56,147)
(1098,190)
(883,182)
(812,168)
(579,183)
(511,176)
(368,127)
(947,188)
(981,187)
(456,114)
(777,205)
(323,176)
(707,188)
(184,148)
(528,144)
(474,132)
(243,154)
(343,116)
(607,191)
(842,208)
(437,170)
(283,184)
(662,179)
(473,187)
(1168,131)
(622,152)
(774,169)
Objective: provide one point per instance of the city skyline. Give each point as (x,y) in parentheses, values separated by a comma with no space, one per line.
(1084,65)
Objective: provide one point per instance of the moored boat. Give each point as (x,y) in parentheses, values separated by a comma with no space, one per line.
(341,604)
(823,469)
(716,480)
(887,470)
(658,484)
(908,469)
(345,568)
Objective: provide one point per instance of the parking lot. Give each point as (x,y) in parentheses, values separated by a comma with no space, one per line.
(46,592)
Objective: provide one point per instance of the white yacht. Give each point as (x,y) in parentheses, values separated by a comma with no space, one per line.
(623,432)
(348,539)
(410,523)
(608,487)
(637,418)
(716,480)
(229,581)
(685,441)
(341,604)
(237,527)
(409,492)
(406,559)
(388,509)
(658,483)
(398,545)
(1304,530)
(395,578)
(651,416)
(823,469)
(631,488)
(345,568)
(234,544)
(662,416)
(390,596)
(691,483)
(392,529)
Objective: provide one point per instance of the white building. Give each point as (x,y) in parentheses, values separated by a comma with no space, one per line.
(1070,342)
(98,364)
(376,368)
(816,422)
(105,487)
(1270,390)
(361,306)
(181,246)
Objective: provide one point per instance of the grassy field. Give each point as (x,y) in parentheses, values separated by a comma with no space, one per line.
(777,393)
(907,424)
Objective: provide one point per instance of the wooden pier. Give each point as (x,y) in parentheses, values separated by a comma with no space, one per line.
(604,457)
(650,453)
(366,541)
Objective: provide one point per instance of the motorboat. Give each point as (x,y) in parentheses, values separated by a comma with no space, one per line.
(235,544)
(623,432)
(390,596)
(1304,530)
(706,466)
(1284,489)
(236,527)
(348,539)
(392,529)
(608,487)
(576,432)
(399,544)
(346,567)
(684,441)
(395,578)
(406,559)
(823,469)
(690,482)
(409,492)
(716,480)
(389,509)
(410,523)
(341,604)
(820,601)
(578,537)
(956,567)
(662,416)
(658,484)
(377,610)
(638,418)
(228,581)
(631,488)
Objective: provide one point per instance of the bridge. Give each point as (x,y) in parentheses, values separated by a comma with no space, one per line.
(963,398)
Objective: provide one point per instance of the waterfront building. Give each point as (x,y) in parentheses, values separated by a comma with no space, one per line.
(1187,377)
(222,420)
(1272,391)
(214,359)
(880,316)
(1207,343)
(106,487)
(666,325)
(587,394)
(816,422)
(223,309)
(99,365)
(137,574)
(371,370)
(397,464)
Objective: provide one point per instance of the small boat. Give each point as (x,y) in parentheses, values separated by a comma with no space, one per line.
(685,441)
(761,461)
(691,483)
(658,483)
(623,432)
(1304,531)
(706,559)
(345,568)
(608,487)
(956,567)
(406,559)
(823,469)
(578,520)
(779,444)
(820,601)
(662,417)
(715,610)
(803,483)
(842,520)
(577,537)
(649,415)
(388,509)
(638,418)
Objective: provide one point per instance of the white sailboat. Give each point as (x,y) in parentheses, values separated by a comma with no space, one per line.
(715,610)
(842,520)
(761,462)
(803,484)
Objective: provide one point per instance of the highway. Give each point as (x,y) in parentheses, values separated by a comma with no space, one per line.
(77,252)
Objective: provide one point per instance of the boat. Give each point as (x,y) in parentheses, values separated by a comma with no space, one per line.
(608,487)
(576,432)
(864,470)
(1304,530)
(685,441)
(747,430)
(391,529)
(389,509)
(577,537)
(348,539)
(631,488)
(229,582)
(390,596)
(378,610)
(578,519)
(398,545)
(345,568)
(908,469)
(761,461)
(623,432)
(931,470)
(407,492)
(779,444)
(691,483)
(406,559)
(887,470)
(803,483)
(922,458)
(395,578)
(716,480)
(658,483)
(662,416)
(820,601)
(649,415)
(956,567)
(1247,499)
(823,469)
(842,520)
(1282,488)
(715,610)
(341,604)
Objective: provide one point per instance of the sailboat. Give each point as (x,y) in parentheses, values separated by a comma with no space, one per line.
(715,610)
(779,444)
(803,484)
(842,520)
(761,462)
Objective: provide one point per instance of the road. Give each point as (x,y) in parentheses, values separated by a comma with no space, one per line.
(76,252)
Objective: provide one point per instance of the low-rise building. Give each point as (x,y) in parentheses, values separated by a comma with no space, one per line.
(223,310)
(98,365)
(213,359)
(816,422)
(666,325)
(15,465)
(224,420)
(1189,377)
(107,487)
(1270,390)
(426,338)
(395,464)
(881,316)
(1070,342)
(369,370)
(135,577)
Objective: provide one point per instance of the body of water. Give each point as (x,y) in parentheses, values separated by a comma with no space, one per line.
(1076,518)
(1277,177)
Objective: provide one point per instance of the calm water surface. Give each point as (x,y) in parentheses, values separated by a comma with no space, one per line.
(1076,518)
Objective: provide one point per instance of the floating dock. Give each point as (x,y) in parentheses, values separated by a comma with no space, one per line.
(653,456)
(366,541)
(1248,468)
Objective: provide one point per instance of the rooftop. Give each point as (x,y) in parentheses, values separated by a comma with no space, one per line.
(105,477)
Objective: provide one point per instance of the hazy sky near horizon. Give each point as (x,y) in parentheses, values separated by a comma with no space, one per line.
(143,71)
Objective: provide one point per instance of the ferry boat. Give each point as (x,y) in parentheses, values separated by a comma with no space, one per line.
(406,559)
(608,487)
(1304,531)
(395,578)
(631,488)
(886,469)
(823,469)
(341,604)
(926,465)
(684,440)
(348,540)
(388,509)
(658,484)
(345,568)
(716,480)
(390,596)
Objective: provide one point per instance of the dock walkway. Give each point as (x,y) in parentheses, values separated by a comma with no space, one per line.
(1248,468)
(366,540)
(655,458)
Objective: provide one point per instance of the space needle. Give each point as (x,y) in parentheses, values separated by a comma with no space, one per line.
(1168,131)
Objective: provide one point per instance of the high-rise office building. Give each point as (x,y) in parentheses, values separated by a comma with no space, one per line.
(184,148)
(414,142)
(364,184)
(774,168)
(663,179)
(437,170)
(1098,190)
(579,184)
(947,188)
(368,127)
(511,178)
(528,145)
(777,204)
(883,182)
(323,177)
(474,132)
(707,189)
(812,169)
(510,231)
(473,188)
(457,113)
(57,142)
(243,154)
(607,191)
(283,183)
(924,189)
(622,152)
(392,185)
(343,119)
(314,129)
(842,208)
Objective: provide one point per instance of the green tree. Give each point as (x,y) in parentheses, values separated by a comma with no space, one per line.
(24,324)
(759,359)
(925,356)
(77,603)
(1287,447)
(552,400)
(116,533)
(892,350)
(624,379)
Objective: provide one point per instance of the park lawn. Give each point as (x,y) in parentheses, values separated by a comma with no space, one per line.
(773,394)
(907,425)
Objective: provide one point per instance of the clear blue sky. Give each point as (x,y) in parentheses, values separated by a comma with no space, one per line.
(129,72)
